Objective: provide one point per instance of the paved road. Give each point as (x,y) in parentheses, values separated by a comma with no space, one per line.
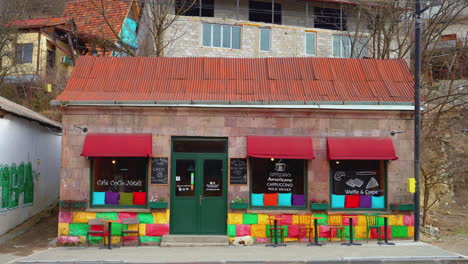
(403,252)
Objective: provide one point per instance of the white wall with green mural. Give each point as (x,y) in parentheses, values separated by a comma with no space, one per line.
(29,169)
(16,185)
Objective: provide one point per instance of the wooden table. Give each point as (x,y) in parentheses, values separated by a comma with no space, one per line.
(109,234)
(385,221)
(351,233)
(275,229)
(316,243)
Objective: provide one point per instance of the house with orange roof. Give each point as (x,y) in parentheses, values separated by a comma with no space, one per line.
(217,146)
(47,48)
(112,21)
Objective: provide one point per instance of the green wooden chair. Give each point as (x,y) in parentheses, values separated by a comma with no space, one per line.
(371,222)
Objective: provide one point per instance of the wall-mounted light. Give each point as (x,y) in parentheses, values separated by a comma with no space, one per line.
(337,162)
(113,161)
(272,159)
(393,132)
(84,129)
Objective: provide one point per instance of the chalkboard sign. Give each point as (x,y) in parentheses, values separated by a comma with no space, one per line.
(238,171)
(159,170)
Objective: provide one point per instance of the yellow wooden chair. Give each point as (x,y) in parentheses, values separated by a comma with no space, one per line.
(335,222)
(371,223)
(306,228)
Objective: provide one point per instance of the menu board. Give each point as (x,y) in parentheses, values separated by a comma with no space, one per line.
(238,171)
(356,182)
(159,170)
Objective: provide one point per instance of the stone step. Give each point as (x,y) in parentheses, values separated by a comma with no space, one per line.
(194,241)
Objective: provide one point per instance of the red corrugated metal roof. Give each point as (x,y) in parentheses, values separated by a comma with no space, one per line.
(88,17)
(40,22)
(239,80)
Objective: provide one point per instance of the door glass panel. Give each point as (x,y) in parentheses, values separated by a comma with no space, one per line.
(185,178)
(212,178)
(200,146)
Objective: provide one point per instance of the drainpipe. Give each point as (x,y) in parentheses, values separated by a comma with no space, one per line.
(417,114)
(307,14)
(237,10)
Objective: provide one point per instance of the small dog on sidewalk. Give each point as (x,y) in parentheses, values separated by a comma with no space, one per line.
(243,241)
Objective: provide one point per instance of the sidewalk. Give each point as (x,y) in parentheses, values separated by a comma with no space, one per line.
(403,252)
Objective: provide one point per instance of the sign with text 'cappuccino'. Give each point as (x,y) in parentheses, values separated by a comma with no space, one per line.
(280,178)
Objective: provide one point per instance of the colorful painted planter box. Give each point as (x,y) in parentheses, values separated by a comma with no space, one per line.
(239,205)
(319,206)
(158,205)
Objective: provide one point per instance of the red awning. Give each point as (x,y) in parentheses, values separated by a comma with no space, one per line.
(360,148)
(117,145)
(280,147)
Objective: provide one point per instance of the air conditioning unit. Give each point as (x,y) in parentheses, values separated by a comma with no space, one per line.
(67,60)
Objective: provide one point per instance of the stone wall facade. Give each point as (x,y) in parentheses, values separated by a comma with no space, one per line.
(236,124)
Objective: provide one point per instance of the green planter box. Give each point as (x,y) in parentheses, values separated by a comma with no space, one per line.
(80,204)
(402,207)
(319,206)
(406,207)
(239,205)
(73,204)
(158,205)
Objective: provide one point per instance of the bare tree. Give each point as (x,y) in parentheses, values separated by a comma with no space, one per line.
(9,11)
(158,17)
(388,27)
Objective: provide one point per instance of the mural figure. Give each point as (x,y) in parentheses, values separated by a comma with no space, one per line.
(15,182)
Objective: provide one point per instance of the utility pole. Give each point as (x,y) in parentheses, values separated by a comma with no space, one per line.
(417,115)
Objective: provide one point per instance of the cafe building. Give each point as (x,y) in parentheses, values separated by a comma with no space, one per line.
(174,142)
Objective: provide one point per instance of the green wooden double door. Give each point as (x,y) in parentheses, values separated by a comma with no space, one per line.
(198,193)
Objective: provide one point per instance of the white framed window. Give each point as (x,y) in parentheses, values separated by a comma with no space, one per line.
(265,39)
(310,43)
(221,36)
(342,47)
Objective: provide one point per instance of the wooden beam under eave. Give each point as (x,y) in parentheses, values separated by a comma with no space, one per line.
(3,113)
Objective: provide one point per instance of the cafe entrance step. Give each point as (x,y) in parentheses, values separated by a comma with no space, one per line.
(194,241)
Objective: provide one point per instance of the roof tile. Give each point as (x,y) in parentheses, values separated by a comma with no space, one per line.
(88,16)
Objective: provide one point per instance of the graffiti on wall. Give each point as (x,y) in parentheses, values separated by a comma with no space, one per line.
(16,184)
